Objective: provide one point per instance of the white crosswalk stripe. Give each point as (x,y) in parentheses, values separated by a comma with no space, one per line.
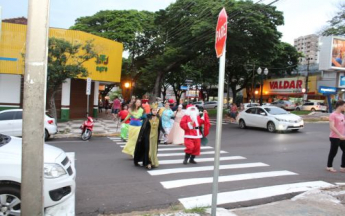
(200,160)
(203,168)
(228,178)
(252,194)
(182,154)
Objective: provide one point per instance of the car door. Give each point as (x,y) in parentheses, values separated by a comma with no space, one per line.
(17,124)
(259,119)
(6,123)
(249,114)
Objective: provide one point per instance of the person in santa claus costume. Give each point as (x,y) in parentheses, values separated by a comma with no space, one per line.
(192,124)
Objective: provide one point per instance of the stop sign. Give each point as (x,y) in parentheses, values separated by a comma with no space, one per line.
(221,32)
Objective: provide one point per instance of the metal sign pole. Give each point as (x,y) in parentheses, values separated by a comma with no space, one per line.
(88,92)
(218,131)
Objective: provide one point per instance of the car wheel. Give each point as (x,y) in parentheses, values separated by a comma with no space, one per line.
(242,124)
(312,109)
(295,130)
(10,199)
(46,135)
(298,109)
(271,127)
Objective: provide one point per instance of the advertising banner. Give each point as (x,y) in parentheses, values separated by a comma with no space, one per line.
(286,85)
(338,53)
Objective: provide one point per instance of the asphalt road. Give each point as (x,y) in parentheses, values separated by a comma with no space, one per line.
(108,182)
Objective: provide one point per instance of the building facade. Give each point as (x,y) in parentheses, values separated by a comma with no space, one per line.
(309,46)
(71,98)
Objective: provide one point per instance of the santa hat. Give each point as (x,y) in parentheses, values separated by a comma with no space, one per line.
(189,109)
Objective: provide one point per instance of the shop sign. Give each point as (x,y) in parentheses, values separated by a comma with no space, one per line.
(288,85)
(341,81)
(184,88)
(327,90)
(102,63)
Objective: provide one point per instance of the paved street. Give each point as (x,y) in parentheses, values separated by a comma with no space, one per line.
(108,182)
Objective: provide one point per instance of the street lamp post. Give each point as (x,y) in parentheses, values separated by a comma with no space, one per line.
(262,81)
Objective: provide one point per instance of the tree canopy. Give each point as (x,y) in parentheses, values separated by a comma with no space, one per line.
(337,23)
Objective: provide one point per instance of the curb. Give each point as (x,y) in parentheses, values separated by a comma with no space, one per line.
(60,136)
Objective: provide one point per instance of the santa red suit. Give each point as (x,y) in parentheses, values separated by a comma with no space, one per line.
(191,123)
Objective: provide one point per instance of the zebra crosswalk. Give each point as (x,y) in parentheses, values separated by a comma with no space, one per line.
(173,175)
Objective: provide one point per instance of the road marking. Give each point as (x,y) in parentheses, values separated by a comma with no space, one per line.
(121,143)
(66,141)
(204,168)
(173,149)
(183,148)
(115,138)
(252,194)
(228,178)
(182,154)
(337,183)
(169,145)
(179,161)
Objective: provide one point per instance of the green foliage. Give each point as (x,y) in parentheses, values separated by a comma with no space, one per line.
(65,60)
(337,23)
(199,210)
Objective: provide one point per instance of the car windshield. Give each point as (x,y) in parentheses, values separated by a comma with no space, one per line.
(276,111)
(4,140)
(288,102)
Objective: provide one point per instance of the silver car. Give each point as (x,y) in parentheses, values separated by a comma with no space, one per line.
(210,105)
(287,105)
(312,106)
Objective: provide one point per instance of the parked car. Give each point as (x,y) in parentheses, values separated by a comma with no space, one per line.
(210,105)
(270,117)
(199,104)
(312,106)
(11,122)
(284,104)
(59,175)
(247,105)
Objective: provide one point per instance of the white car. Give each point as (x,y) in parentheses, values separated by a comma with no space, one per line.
(247,105)
(270,117)
(210,105)
(312,106)
(11,123)
(59,175)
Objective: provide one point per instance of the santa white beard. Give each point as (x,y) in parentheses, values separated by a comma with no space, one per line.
(194,115)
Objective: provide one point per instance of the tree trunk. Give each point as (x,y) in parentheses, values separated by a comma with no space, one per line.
(53,106)
(234,93)
(164,93)
(157,88)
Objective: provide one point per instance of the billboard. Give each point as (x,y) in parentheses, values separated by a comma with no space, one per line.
(332,53)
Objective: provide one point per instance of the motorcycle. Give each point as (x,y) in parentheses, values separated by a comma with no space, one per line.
(86,129)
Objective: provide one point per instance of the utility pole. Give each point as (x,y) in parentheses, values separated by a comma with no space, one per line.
(307,80)
(253,91)
(34,104)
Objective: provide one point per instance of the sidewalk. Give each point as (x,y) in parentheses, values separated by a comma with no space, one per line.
(330,202)
(103,126)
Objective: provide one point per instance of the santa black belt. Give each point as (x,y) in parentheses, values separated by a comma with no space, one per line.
(196,128)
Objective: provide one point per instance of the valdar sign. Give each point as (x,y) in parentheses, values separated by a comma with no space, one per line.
(221,32)
(293,84)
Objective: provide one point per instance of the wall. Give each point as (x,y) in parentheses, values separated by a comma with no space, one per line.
(9,91)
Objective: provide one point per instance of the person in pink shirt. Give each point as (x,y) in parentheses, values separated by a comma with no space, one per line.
(116,107)
(337,136)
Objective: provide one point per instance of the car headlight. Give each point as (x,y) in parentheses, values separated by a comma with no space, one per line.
(282,120)
(53,171)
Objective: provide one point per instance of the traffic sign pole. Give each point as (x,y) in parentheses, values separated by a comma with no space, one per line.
(88,92)
(221,34)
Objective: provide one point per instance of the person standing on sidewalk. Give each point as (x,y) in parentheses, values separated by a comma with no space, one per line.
(191,123)
(166,120)
(116,107)
(124,126)
(146,148)
(337,136)
(136,115)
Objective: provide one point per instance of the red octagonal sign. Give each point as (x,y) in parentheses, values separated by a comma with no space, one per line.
(221,32)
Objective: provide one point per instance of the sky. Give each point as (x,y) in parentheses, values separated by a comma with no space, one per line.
(302,17)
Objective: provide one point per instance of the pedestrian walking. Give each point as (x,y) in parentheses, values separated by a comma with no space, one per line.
(146,148)
(176,135)
(100,106)
(124,126)
(116,107)
(191,123)
(166,120)
(337,136)
(136,115)
(106,106)
(233,112)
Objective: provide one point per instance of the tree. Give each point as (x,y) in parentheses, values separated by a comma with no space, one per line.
(337,23)
(65,60)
